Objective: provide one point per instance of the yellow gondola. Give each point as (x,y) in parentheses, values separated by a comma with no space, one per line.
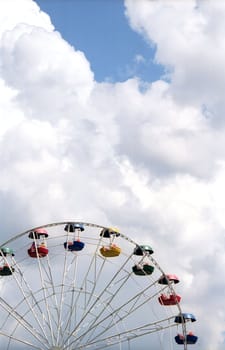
(110,251)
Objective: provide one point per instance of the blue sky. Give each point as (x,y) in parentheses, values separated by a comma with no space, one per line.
(100,29)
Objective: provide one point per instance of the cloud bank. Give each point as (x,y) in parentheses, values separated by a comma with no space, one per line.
(145,157)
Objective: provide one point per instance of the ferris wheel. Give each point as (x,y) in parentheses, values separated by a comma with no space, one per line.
(76,285)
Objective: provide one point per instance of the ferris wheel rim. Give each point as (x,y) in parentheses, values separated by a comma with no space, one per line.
(15,237)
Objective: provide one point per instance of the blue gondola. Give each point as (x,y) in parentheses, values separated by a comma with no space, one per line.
(74,246)
(190,339)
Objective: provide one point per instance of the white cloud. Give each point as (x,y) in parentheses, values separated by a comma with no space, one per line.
(191,47)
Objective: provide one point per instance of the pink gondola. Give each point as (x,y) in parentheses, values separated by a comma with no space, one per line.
(171,299)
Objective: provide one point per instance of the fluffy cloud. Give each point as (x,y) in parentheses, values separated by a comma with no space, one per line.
(147,157)
(190,48)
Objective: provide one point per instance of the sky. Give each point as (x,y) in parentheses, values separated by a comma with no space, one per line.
(114,50)
(116,117)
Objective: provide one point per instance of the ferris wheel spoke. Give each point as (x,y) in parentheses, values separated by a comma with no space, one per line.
(64,274)
(94,275)
(26,315)
(125,308)
(46,302)
(27,294)
(116,316)
(99,296)
(149,328)
(19,340)
(50,285)
(114,313)
(94,280)
(20,319)
(83,287)
(72,304)
(107,302)
(127,335)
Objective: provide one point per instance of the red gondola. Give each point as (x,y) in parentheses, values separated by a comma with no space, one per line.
(38,251)
(171,299)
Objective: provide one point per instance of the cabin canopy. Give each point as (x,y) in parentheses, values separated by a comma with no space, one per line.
(143,249)
(185,317)
(165,279)
(38,233)
(6,251)
(108,232)
(72,227)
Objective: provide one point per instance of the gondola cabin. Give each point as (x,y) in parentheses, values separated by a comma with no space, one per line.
(6,270)
(142,269)
(74,246)
(110,251)
(171,299)
(170,278)
(38,250)
(189,339)
(143,250)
